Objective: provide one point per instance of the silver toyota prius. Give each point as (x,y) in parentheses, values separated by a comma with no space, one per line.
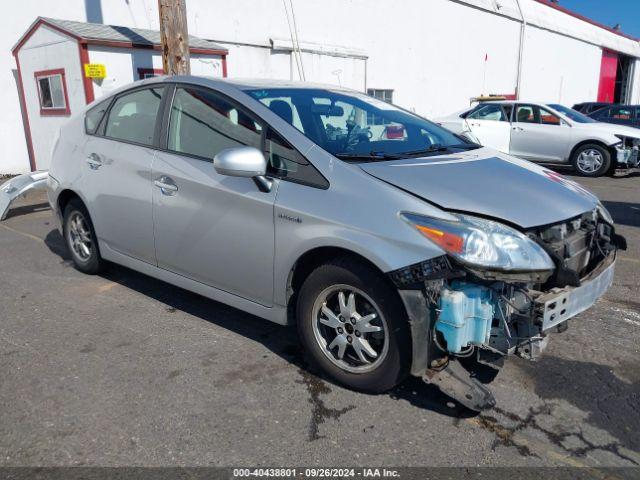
(397,247)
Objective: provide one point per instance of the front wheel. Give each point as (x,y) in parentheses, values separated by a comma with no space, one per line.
(591,160)
(354,327)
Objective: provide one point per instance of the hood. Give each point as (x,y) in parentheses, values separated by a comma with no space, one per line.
(490,184)
(611,128)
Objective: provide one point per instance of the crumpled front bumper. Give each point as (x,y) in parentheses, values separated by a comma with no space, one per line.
(559,305)
(548,309)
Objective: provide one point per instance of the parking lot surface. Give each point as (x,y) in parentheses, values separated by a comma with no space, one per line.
(121,369)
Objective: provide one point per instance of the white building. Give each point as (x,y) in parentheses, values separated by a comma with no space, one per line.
(430,56)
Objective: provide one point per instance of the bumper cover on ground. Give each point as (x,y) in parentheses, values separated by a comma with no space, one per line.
(20,185)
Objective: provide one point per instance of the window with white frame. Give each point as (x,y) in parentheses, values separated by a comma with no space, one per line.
(381,94)
(52,92)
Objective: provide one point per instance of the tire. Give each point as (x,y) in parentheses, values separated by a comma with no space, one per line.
(591,160)
(80,238)
(372,295)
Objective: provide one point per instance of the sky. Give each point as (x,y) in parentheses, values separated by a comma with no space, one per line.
(609,12)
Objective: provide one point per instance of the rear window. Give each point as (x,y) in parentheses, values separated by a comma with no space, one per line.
(93,117)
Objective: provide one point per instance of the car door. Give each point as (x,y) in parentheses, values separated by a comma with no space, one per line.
(116,179)
(539,135)
(212,228)
(490,125)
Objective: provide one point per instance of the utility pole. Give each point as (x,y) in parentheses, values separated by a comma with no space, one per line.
(174,37)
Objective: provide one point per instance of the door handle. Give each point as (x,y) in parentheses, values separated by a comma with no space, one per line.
(166,185)
(518,129)
(94,161)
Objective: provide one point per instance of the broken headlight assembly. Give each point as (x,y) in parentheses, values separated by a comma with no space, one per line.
(482,243)
(604,214)
(628,151)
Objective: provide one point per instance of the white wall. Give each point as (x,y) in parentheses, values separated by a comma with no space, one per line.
(133,13)
(559,69)
(47,49)
(122,66)
(257,62)
(431,53)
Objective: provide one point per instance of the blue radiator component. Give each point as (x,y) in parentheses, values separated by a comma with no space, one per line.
(466,312)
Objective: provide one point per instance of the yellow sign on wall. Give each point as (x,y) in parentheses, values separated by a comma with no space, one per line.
(95,70)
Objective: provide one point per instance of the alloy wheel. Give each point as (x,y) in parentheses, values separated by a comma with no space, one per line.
(350,329)
(590,161)
(79,236)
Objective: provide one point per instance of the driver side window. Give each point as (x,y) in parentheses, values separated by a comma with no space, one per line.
(489,112)
(287,163)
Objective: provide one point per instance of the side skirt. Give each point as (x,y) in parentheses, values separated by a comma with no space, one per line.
(276,314)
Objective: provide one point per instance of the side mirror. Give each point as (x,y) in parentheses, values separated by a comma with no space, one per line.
(246,162)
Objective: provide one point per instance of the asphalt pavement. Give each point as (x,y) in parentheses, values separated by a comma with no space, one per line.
(121,369)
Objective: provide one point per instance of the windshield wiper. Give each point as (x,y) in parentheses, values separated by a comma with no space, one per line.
(367,156)
(380,156)
(438,147)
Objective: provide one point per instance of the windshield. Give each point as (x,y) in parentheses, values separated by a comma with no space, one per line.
(572,114)
(352,125)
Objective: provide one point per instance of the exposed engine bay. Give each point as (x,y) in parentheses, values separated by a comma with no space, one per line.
(487,315)
(628,153)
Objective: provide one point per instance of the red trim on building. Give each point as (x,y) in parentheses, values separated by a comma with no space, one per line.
(34,27)
(562,9)
(143,72)
(608,75)
(87,83)
(53,111)
(27,127)
(224,66)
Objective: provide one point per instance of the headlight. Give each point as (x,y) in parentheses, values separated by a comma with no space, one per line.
(604,213)
(628,141)
(483,243)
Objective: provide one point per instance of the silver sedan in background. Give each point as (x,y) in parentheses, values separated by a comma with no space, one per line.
(394,245)
(549,133)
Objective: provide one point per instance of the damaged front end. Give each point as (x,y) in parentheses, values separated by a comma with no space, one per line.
(627,152)
(461,310)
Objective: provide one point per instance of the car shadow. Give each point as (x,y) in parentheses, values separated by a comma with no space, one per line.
(624,213)
(282,341)
(27,209)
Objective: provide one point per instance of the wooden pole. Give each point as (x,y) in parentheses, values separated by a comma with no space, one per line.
(174,37)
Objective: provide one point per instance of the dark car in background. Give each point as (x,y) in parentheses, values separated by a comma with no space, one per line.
(620,114)
(590,107)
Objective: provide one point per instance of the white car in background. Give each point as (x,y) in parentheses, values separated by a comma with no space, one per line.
(549,133)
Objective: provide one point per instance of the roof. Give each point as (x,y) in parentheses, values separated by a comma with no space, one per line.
(556,6)
(115,35)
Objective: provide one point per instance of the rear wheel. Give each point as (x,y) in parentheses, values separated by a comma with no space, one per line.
(80,238)
(591,160)
(354,326)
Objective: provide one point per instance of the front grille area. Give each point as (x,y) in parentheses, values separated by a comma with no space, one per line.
(578,245)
